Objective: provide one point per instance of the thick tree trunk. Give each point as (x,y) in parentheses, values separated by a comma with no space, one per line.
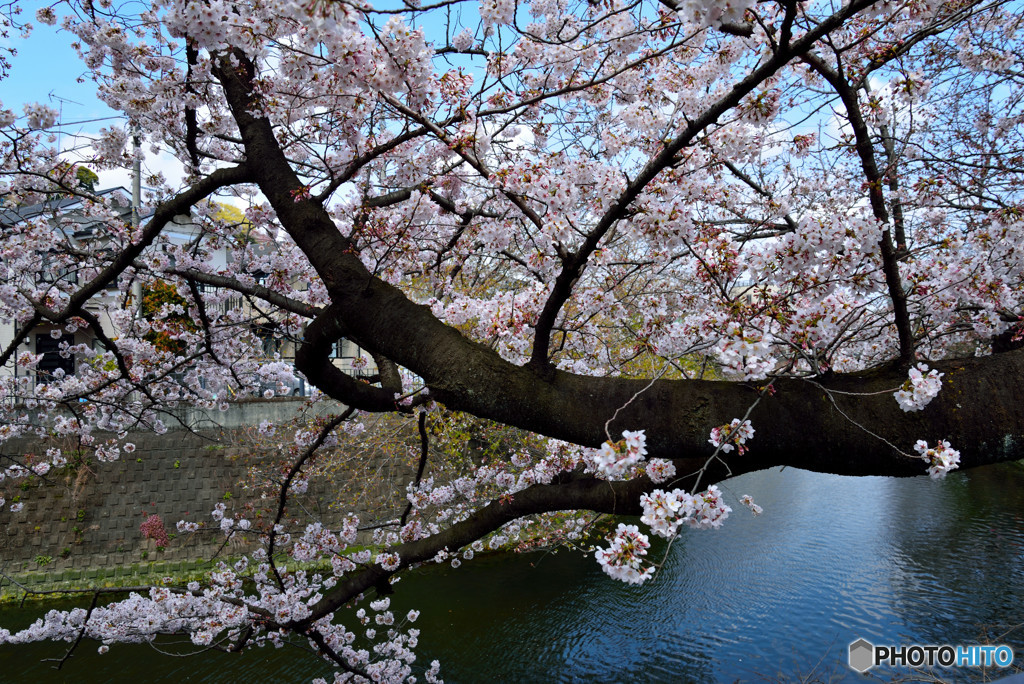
(839,424)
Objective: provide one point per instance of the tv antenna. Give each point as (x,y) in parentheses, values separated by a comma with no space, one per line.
(60,115)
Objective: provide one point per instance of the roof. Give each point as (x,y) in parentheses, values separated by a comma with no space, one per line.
(66,207)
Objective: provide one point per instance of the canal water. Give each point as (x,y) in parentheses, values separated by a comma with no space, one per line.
(777,597)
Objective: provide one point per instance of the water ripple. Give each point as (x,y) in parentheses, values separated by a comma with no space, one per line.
(776,598)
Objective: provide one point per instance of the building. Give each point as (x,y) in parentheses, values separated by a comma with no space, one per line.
(74,227)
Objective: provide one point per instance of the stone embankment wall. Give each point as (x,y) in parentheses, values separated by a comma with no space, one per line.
(81,525)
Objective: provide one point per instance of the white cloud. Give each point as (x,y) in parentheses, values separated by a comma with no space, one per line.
(78,148)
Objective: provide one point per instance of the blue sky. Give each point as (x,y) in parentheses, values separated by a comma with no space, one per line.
(47,70)
(46,63)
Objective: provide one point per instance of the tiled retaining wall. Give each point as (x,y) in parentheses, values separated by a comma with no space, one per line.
(82,524)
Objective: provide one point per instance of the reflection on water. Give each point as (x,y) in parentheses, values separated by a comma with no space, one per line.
(774,597)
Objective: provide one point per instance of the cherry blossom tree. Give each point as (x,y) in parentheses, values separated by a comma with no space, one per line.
(675,241)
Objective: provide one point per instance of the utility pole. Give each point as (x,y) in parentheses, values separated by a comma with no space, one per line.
(136,176)
(136,203)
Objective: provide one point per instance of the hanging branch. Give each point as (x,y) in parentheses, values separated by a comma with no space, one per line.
(424,447)
(282,499)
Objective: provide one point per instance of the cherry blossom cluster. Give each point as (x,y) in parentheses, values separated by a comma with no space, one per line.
(664,512)
(616,461)
(748,501)
(715,13)
(922,386)
(940,459)
(624,558)
(660,470)
(733,435)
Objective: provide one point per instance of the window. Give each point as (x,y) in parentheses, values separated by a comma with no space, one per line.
(346,349)
(52,360)
(269,343)
(52,271)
